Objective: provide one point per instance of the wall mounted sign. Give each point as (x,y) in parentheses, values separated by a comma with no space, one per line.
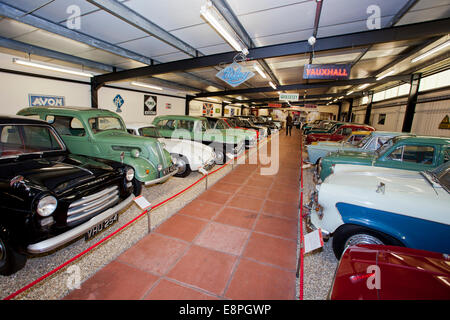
(36,100)
(168,106)
(208,109)
(217,110)
(445,123)
(118,102)
(274,105)
(150,103)
(310,106)
(289,96)
(327,71)
(235,74)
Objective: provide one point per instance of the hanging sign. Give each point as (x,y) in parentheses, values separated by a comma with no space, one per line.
(150,103)
(274,105)
(327,71)
(289,96)
(445,123)
(235,74)
(45,101)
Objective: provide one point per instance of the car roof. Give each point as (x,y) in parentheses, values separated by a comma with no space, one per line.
(6,119)
(137,125)
(61,110)
(180,117)
(426,139)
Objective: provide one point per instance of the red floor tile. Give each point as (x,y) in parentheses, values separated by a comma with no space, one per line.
(201,209)
(181,227)
(254,281)
(234,178)
(204,268)
(116,281)
(276,251)
(217,197)
(285,210)
(225,187)
(223,238)
(245,202)
(260,183)
(277,226)
(255,192)
(169,290)
(284,196)
(237,217)
(155,253)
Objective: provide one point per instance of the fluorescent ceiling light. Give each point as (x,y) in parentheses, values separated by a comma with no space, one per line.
(349,93)
(272,85)
(226,101)
(210,14)
(212,99)
(386,75)
(364,86)
(145,85)
(52,68)
(430,52)
(257,68)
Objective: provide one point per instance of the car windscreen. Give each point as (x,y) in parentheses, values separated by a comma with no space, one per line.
(363,141)
(381,150)
(151,132)
(16,140)
(99,124)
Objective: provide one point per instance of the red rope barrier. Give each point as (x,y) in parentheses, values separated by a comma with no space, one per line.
(301,219)
(28,286)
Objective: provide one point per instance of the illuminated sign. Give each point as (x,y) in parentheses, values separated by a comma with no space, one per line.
(327,71)
(289,96)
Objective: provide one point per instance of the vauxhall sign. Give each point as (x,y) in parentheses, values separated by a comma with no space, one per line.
(327,71)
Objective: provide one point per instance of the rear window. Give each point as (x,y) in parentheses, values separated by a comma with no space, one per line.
(66,126)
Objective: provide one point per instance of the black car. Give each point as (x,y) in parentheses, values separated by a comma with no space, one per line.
(48,196)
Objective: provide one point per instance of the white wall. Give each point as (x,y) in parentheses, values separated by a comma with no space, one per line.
(196,108)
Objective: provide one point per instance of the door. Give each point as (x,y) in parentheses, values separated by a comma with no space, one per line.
(410,157)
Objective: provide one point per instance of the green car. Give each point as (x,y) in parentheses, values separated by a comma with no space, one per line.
(325,127)
(416,153)
(102,133)
(226,145)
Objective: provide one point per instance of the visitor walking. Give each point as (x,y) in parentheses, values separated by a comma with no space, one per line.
(289,123)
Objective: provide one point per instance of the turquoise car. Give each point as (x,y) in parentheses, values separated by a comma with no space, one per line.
(369,144)
(417,153)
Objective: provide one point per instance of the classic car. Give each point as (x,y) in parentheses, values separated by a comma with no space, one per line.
(401,152)
(49,196)
(235,123)
(357,204)
(226,146)
(189,155)
(326,126)
(278,124)
(251,122)
(352,139)
(102,133)
(340,132)
(249,136)
(370,143)
(315,123)
(244,123)
(400,274)
(265,121)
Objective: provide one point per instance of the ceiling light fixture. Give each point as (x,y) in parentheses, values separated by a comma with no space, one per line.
(212,99)
(386,75)
(51,68)
(226,101)
(430,52)
(212,16)
(272,85)
(145,85)
(364,86)
(258,69)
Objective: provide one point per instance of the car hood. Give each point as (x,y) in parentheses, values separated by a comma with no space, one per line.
(223,136)
(352,157)
(333,147)
(188,147)
(60,173)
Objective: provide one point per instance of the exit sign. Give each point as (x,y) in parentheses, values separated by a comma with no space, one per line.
(289,96)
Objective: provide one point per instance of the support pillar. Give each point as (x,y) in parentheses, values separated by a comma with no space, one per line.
(186,106)
(349,113)
(338,118)
(412,101)
(369,108)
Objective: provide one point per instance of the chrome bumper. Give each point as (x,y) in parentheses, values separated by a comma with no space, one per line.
(59,240)
(310,227)
(162,179)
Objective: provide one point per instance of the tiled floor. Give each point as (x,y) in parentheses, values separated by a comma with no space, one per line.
(237,240)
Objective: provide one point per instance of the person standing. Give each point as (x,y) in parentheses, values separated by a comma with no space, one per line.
(289,123)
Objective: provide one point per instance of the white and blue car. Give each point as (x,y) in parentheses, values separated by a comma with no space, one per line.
(361,205)
(368,144)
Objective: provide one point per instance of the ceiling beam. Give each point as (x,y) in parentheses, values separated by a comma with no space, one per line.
(364,38)
(315,97)
(299,86)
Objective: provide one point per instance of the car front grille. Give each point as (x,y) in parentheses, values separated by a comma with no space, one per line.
(92,204)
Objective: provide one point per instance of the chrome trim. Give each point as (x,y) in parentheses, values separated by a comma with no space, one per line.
(59,240)
(162,179)
(92,197)
(96,207)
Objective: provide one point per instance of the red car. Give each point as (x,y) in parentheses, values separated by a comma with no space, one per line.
(341,133)
(379,272)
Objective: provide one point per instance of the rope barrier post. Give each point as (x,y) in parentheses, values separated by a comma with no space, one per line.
(205,174)
(149,220)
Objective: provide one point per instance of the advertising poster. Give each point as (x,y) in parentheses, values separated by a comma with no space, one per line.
(208,109)
(150,103)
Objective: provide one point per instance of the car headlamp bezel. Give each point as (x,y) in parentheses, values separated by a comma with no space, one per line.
(46,205)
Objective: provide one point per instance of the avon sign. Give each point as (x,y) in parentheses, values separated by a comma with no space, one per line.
(234,74)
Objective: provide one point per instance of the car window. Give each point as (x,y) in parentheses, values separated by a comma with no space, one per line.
(131,131)
(205,125)
(221,125)
(413,154)
(185,124)
(149,132)
(99,124)
(363,141)
(347,131)
(168,124)
(446,154)
(66,126)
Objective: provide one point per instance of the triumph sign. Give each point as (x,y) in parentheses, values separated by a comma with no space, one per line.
(327,71)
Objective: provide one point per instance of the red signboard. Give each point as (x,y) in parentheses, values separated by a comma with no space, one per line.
(327,71)
(275,105)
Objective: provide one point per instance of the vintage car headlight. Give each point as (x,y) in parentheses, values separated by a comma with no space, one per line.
(135,153)
(46,206)
(159,167)
(130,174)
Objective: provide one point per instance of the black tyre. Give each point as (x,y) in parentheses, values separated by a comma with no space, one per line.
(220,157)
(137,187)
(184,169)
(349,234)
(10,260)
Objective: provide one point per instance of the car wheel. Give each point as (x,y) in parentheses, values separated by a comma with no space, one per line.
(220,157)
(184,169)
(137,187)
(349,235)
(10,260)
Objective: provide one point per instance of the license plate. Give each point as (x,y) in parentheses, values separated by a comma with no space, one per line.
(101,226)
(169,170)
